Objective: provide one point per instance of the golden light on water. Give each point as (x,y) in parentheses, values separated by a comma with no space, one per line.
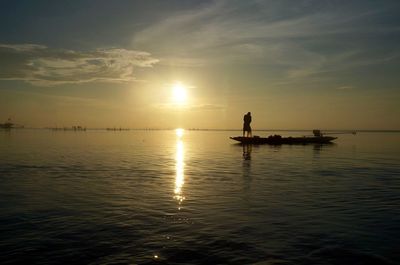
(179,167)
(179,93)
(179,132)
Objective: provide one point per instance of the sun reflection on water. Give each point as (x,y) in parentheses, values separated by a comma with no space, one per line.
(179,167)
(179,132)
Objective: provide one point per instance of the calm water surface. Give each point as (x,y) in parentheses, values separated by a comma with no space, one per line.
(154,197)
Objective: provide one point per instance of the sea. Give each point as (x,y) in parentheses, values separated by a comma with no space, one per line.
(197,197)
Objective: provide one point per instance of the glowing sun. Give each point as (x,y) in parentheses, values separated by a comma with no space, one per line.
(179,93)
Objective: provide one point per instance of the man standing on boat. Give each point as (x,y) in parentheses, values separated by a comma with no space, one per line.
(246,124)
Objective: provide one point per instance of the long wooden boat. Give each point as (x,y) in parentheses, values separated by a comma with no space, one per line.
(278,140)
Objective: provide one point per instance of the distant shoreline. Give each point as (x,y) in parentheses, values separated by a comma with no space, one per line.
(216,130)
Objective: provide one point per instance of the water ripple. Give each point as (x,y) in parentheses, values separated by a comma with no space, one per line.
(153,198)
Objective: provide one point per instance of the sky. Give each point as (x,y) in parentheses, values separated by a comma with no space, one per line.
(292,64)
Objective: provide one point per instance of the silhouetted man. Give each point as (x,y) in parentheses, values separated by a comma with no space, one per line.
(246,124)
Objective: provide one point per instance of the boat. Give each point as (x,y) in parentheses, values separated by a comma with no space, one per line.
(317,138)
(278,140)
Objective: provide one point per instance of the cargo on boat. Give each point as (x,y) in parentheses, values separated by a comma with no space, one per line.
(8,125)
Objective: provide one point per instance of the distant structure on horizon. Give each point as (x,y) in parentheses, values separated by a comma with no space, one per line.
(73,128)
(118,129)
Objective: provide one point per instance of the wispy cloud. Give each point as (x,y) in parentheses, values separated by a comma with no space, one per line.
(191,107)
(344,87)
(41,65)
(302,39)
(206,107)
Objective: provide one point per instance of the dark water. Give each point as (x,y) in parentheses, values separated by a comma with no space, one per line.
(151,197)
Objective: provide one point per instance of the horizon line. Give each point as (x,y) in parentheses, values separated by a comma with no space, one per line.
(208,129)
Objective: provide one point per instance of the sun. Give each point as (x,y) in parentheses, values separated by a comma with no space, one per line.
(179,93)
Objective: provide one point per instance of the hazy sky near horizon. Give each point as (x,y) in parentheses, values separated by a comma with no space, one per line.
(293,64)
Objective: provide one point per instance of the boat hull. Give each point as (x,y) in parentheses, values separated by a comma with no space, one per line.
(275,140)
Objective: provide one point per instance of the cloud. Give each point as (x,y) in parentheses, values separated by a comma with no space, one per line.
(40,65)
(299,39)
(223,25)
(206,107)
(23,47)
(192,107)
(344,87)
